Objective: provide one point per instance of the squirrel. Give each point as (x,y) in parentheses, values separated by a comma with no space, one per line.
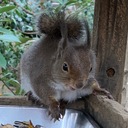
(60,65)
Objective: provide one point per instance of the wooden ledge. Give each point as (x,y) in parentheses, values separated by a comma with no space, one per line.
(108,113)
(15,100)
(23,101)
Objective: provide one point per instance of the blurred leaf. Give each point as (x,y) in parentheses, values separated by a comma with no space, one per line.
(9,38)
(14,82)
(70,2)
(19,13)
(7,8)
(4,30)
(19,91)
(2,61)
(62,1)
(24,39)
(5,20)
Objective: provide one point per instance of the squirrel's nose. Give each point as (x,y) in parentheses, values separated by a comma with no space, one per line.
(79,85)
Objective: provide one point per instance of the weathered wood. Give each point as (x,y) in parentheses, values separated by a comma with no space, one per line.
(109,42)
(124,95)
(108,113)
(23,101)
(15,100)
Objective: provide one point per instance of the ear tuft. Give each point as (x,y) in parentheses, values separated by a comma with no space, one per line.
(49,24)
(76,27)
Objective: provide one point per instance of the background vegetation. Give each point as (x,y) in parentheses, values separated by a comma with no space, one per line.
(17,31)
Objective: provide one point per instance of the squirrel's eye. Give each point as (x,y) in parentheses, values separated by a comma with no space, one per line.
(65,67)
(90,69)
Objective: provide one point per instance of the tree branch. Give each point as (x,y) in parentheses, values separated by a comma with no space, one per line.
(25,10)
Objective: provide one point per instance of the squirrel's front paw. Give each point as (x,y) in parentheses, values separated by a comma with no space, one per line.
(99,90)
(54,109)
(54,112)
(33,99)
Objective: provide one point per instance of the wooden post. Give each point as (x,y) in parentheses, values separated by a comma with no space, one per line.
(124,100)
(109,42)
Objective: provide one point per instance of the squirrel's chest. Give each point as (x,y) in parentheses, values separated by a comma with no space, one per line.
(67,94)
(73,95)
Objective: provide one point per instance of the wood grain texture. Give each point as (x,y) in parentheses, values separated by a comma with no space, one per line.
(124,95)
(15,100)
(108,113)
(109,42)
(23,101)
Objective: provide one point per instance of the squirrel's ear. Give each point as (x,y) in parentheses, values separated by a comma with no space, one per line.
(78,29)
(49,24)
(75,27)
(87,34)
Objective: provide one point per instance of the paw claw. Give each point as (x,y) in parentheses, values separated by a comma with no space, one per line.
(54,114)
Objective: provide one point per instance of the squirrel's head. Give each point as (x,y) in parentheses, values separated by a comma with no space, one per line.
(72,67)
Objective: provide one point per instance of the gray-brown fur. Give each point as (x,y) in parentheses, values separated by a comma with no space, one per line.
(43,69)
(50,24)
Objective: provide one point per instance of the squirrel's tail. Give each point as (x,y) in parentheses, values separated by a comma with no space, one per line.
(76,28)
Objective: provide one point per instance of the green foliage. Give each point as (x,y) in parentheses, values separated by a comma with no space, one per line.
(2,61)
(12,43)
(17,31)
(6,8)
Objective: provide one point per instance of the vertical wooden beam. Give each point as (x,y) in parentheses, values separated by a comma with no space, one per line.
(124,96)
(109,42)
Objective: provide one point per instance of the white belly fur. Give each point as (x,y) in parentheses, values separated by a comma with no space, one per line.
(72,95)
(65,93)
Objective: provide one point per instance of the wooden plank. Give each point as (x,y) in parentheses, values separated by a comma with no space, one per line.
(23,101)
(124,94)
(15,100)
(108,113)
(109,42)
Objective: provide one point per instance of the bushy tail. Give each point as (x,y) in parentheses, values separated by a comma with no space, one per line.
(50,24)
